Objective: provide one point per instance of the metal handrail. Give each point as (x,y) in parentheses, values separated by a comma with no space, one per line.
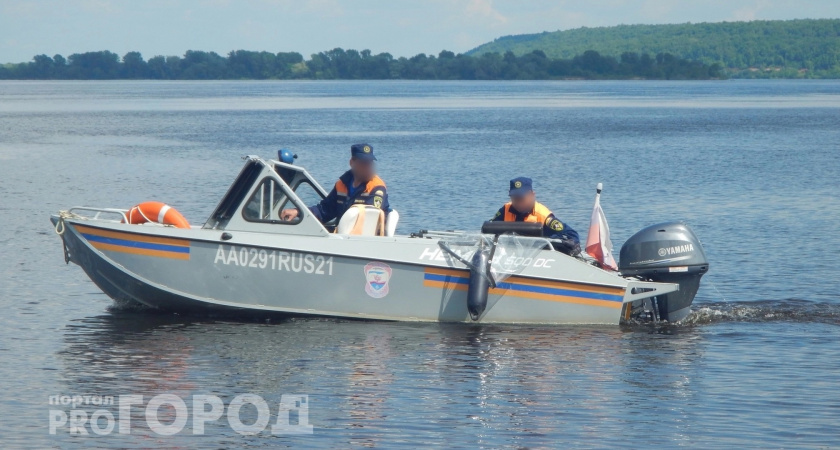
(99,211)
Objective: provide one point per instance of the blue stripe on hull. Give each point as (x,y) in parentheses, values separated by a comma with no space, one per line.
(136,244)
(529,288)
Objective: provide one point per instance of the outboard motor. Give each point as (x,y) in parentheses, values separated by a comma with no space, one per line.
(668,253)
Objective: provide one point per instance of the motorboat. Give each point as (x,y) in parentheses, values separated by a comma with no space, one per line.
(246,259)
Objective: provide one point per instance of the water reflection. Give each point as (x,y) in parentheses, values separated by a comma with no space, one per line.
(368,381)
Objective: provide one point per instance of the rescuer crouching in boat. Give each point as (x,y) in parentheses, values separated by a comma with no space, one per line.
(524,207)
(358,186)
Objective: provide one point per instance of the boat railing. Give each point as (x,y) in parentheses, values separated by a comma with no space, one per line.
(430,234)
(119,215)
(433,234)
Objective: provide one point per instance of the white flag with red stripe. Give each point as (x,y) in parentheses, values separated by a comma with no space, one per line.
(598,244)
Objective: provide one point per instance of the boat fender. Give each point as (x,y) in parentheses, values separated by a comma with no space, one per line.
(479,285)
(156,212)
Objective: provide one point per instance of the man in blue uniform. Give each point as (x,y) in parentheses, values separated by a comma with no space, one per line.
(358,186)
(524,207)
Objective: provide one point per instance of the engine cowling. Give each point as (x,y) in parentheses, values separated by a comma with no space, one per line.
(670,253)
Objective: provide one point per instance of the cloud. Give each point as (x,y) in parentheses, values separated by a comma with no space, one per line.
(465,40)
(99,6)
(748,13)
(328,7)
(657,10)
(484,9)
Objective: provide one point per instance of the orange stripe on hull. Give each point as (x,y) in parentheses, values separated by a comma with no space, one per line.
(465,274)
(564,285)
(133,237)
(140,251)
(445,285)
(528,295)
(557,298)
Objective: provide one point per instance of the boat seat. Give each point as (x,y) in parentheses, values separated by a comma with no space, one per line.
(391,223)
(362,220)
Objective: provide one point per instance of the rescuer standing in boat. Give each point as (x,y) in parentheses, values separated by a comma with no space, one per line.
(358,186)
(524,207)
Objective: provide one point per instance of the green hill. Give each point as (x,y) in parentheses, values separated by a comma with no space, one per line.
(777,48)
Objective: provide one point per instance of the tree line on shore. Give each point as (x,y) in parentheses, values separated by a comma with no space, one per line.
(757,49)
(340,64)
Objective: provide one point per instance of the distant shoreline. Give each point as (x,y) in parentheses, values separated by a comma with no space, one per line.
(271,80)
(799,48)
(338,64)
(311,80)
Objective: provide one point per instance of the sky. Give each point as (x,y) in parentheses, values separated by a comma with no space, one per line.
(399,27)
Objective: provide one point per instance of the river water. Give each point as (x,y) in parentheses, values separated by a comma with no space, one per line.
(752,166)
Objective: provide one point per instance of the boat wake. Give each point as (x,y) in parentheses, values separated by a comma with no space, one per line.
(790,310)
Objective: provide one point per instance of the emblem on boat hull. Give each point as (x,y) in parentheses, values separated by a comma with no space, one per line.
(377,275)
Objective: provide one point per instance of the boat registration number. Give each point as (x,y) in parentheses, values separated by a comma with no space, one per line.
(231,255)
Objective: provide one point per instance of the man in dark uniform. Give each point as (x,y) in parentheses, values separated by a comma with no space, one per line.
(358,186)
(524,207)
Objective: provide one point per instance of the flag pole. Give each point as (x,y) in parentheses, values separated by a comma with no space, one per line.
(598,243)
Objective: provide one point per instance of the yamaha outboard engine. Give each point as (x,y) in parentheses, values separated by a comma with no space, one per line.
(669,253)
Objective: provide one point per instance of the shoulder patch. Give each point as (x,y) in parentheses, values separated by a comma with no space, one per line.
(379,192)
(377,201)
(556,225)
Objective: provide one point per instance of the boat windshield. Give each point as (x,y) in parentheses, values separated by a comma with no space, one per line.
(301,184)
(270,199)
(307,193)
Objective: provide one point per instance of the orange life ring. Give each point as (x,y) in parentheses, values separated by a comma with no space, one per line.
(157,212)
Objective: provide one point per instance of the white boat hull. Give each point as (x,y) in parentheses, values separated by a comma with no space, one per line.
(194,270)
